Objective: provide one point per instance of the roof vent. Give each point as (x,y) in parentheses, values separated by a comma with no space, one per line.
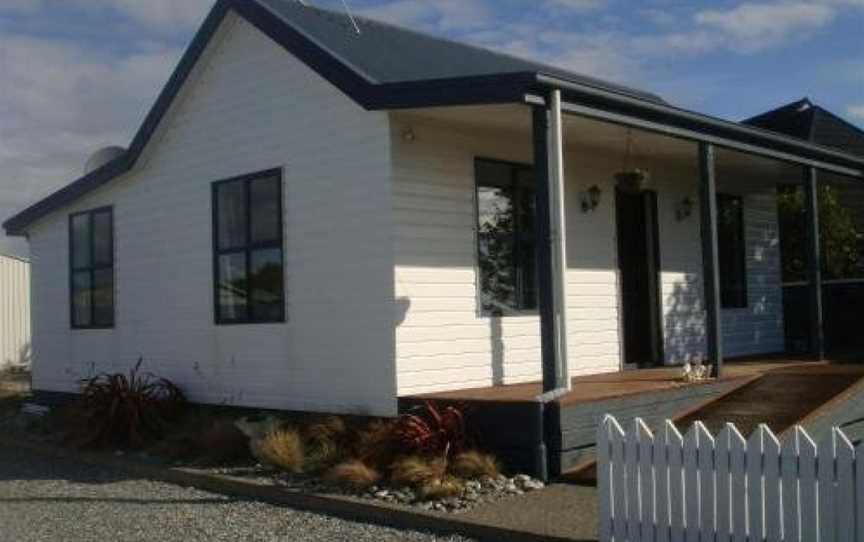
(102,157)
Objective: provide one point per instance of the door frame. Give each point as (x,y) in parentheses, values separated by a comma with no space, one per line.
(652,240)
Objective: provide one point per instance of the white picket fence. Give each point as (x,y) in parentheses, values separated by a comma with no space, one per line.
(666,487)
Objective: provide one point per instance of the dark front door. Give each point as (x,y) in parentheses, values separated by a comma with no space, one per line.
(638,262)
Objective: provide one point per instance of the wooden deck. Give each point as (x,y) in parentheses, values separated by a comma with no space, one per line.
(556,437)
(619,384)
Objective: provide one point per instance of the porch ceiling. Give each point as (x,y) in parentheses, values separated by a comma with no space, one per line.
(737,171)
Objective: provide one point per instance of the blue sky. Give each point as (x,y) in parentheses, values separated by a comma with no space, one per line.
(76,75)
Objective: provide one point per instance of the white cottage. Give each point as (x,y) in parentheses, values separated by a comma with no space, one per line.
(316,218)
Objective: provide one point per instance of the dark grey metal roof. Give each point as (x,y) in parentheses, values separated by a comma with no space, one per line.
(385,53)
(805,120)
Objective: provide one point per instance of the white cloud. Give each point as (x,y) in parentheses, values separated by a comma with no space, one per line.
(752,26)
(856,111)
(76,101)
(441,15)
(20,6)
(578,5)
(162,15)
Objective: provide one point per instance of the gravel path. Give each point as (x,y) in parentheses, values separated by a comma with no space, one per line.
(44,500)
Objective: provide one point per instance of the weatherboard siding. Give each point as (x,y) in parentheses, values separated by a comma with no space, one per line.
(248,106)
(758,328)
(442,342)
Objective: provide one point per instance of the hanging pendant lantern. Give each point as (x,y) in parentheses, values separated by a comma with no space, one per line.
(631,179)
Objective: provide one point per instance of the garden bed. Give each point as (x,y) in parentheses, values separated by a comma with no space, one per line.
(425,460)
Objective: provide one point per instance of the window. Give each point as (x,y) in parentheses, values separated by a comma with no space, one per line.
(505,237)
(91,269)
(732,251)
(247,249)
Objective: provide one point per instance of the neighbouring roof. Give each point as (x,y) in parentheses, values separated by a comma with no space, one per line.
(805,120)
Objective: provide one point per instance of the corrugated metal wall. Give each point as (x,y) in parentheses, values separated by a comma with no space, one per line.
(14,312)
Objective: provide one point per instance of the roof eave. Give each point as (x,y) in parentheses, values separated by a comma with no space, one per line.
(668,115)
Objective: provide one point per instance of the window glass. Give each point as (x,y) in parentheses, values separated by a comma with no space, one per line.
(102,242)
(81,241)
(231,214)
(103,297)
(505,237)
(265,209)
(266,281)
(232,287)
(81,299)
(91,268)
(249,269)
(732,251)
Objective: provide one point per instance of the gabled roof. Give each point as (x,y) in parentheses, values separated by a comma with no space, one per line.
(805,120)
(384,67)
(385,53)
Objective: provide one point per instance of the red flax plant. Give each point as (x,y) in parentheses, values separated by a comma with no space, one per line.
(124,410)
(432,430)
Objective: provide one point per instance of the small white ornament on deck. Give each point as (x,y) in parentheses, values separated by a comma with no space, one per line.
(694,373)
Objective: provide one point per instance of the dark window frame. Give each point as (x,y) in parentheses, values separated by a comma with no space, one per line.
(248,248)
(735,298)
(518,235)
(92,269)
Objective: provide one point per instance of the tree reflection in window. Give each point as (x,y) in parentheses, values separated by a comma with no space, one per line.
(248,249)
(505,237)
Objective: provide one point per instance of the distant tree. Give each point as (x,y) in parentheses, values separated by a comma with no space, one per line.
(841,240)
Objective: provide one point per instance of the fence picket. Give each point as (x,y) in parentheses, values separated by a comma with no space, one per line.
(789,452)
(691,484)
(646,479)
(807,486)
(731,508)
(604,476)
(845,488)
(677,506)
(619,485)
(634,504)
(859,497)
(825,469)
(662,498)
(666,487)
(755,486)
(707,484)
(771,473)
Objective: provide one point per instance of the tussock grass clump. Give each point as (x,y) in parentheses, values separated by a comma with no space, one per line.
(329,427)
(283,449)
(354,474)
(417,471)
(473,465)
(375,444)
(441,489)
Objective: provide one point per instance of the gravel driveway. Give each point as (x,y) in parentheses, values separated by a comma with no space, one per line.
(44,500)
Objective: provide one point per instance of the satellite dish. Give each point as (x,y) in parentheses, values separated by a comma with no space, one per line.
(102,157)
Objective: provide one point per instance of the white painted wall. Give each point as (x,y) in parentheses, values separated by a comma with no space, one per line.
(758,328)
(14,312)
(442,342)
(249,106)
